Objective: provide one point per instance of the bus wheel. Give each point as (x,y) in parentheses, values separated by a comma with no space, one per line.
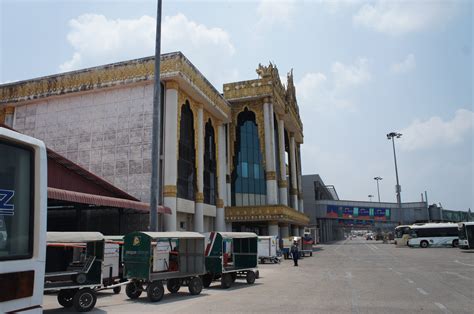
(155,291)
(250,277)
(117,289)
(84,300)
(206,280)
(455,243)
(133,290)
(226,281)
(65,297)
(424,244)
(195,286)
(173,285)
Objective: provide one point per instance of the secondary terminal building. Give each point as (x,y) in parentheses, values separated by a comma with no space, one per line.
(331,216)
(229,161)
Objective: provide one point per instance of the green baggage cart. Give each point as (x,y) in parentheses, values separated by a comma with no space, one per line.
(152,259)
(231,255)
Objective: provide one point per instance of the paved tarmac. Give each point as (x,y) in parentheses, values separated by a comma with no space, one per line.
(351,276)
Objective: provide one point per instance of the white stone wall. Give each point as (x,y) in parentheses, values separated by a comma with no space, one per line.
(107,132)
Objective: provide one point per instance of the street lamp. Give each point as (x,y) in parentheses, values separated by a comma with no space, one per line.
(378,191)
(370,197)
(398,189)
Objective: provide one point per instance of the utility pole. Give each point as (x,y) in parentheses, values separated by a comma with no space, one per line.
(155,187)
(398,189)
(378,190)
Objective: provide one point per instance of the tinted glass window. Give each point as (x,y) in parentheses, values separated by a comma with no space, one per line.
(16,206)
(187,155)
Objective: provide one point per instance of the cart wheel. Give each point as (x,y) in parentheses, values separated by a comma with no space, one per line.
(195,286)
(250,277)
(133,290)
(257,274)
(234,276)
(84,300)
(65,297)
(155,291)
(117,289)
(173,285)
(226,281)
(206,280)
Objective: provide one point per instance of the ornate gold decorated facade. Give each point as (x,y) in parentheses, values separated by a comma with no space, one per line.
(277,213)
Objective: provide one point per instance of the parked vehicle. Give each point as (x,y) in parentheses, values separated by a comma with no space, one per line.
(112,268)
(152,259)
(307,245)
(434,234)
(369,236)
(23,206)
(231,255)
(267,249)
(74,267)
(466,235)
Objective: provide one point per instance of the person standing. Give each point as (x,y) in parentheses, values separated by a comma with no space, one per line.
(295,253)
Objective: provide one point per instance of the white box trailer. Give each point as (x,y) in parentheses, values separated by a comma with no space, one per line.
(267,249)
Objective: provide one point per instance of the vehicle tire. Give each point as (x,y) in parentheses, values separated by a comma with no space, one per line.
(195,286)
(424,244)
(117,289)
(455,243)
(206,280)
(133,290)
(250,277)
(234,277)
(84,300)
(257,274)
(155,291)
(226,281)
(65,297)
(173,285)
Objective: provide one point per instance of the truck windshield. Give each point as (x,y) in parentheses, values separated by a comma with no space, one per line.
(16,206)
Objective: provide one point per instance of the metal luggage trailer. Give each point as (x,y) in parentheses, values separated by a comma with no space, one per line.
(231,255)
(74,267)
(268,249)
(112,269)
(152,259)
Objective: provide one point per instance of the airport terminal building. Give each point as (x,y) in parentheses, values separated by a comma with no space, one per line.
(229,161)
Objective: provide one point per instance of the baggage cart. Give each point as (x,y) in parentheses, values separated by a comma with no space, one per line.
(267,249)
(154,259)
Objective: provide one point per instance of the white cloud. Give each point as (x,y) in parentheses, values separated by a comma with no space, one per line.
(436,132)
(400,17)
(320,92)
(98,40)
(351,75)
(404,66)
(275,12)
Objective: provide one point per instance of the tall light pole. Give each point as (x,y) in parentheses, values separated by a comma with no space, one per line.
(398,189)
(156,135)
(370,197)
(378,191)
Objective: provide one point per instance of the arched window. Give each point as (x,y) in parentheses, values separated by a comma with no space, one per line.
(187,155)
(210,165)
(248,178)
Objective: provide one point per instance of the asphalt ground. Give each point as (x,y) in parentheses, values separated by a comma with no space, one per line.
(351,276)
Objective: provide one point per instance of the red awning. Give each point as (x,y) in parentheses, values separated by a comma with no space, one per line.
(84,198)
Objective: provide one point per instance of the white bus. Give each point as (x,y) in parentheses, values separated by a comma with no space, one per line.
(23,205)
(434,234)
(466,235)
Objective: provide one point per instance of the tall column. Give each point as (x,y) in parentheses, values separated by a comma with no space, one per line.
(270,174)
(273,228)
(9,111)
(227,177)
(295,231)
(294,182)
(221,179)
(170,165)
(199,198)
(282,183)
(300,186)
(302,231)
(285,232)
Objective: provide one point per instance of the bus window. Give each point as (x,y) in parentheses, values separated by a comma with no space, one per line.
(16,202)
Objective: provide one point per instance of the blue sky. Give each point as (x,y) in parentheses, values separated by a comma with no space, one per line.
(362,69)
